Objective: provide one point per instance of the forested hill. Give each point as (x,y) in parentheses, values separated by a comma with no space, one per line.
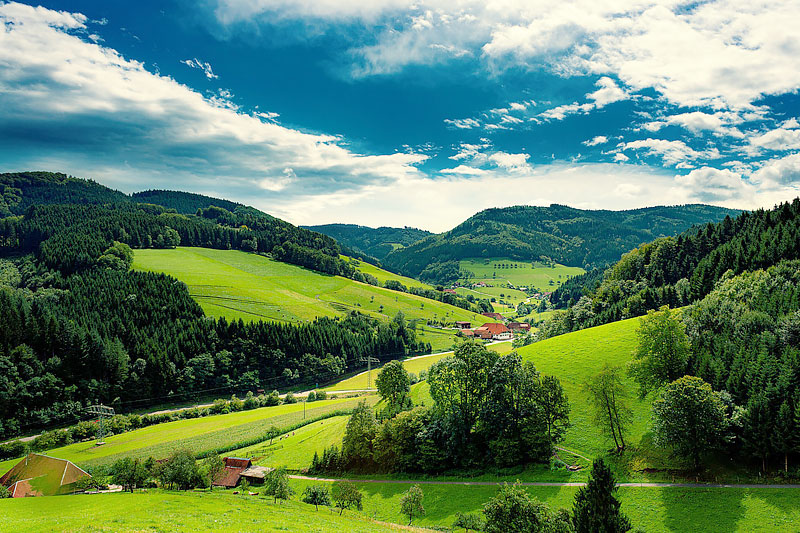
(374,242)
(677,271)
(186,203)
(570,236)
(20,190)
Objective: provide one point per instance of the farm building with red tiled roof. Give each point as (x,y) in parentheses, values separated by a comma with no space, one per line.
(519,326)
(229,476)
(482,333)
(42,475)
(499,331)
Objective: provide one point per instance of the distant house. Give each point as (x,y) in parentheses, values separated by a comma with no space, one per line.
(450,291)
(42,475)
(519,327)
(498,331)
(230,475)
(496,316)
(463,325)
(482,333)
(467,333)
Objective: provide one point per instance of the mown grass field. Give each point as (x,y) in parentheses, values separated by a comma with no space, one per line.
(384,275)
(535,275)
(296,449)
(175,511)
(197,434)
(414,365)
(236,284)
(652,509)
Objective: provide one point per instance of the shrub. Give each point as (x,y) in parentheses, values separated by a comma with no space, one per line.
(289,398)
(316,495)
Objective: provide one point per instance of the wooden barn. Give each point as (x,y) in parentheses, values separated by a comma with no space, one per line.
(42,475)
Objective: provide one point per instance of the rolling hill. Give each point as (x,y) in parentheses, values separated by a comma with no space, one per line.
(374,242)
(573,237)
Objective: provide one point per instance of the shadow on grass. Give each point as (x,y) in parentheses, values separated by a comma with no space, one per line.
(703,510)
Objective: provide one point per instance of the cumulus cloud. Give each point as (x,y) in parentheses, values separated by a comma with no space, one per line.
(714,185)
(778,139)
(594,141)
(462,123)
(72,105)
(671,152)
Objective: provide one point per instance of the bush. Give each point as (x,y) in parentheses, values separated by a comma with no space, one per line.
(322,395)
(13,449)
(272,399)
(312,396)
(316,495)
(289,398)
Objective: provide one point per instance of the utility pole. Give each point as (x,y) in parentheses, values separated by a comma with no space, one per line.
(101,411)
(369,360)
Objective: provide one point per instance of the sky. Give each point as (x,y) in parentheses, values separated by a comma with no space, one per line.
(409,113)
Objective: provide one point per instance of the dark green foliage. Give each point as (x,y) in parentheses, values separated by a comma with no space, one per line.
(566,235)
(358,435)
(214,466)
(186,203)
(316,495)
(277,484)
(611,411)
(375,242)
(513,510)
(662,352)
(346,495)
(393,385)
(411,503)
(130,473)
(469,521)
(20,190)
(596,509)
(180,471)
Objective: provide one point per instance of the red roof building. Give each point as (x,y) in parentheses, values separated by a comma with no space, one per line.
(482,333)
(496,316)
(229,476)
(519,326)
(467,333)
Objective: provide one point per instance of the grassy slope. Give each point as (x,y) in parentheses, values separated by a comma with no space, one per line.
(236,284)
(198,434)
(383,275)
(175,511)
(536,275)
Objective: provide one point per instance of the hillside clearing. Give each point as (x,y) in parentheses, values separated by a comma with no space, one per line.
(497,272)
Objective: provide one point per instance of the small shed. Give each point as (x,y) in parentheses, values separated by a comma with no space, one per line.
(463,325)
(255,474)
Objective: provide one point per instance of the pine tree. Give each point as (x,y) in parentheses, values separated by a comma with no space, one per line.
(596,510)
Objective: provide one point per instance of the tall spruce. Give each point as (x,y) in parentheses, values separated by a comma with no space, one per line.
(596,509)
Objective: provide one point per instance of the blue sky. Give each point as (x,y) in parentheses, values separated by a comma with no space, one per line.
(400,113)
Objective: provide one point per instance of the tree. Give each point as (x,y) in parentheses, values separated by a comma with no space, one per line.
(552,400)
(130,473)
(214,465)
(181,470)
(411,503)
(393,384)
(784,433)
(277,484)
(346,495)
(468,521)
(358,435)
(4,492)
(607,396)
(513,510)
(317,495)
(689,417)
(663,350)
(596,509)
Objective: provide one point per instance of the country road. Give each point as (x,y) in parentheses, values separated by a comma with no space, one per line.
(555,484)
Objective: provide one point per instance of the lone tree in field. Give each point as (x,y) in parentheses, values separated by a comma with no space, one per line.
(611,411)
(663,351)
(277,484)
(468,521)
(689,417)
(596,510)
(346,496)
(411,503)
(552,401)
(393,384)
(130,473)
(317,495)
(215,465)
(513,510)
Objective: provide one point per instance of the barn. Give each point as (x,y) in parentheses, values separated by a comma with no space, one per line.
(229,476)
(42,475)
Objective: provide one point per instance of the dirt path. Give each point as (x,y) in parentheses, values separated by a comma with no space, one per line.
(556,484)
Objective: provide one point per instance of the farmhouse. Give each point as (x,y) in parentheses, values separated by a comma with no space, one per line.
(519,327)
(42,475)
(482,333)
(496,316)
(230,475)
(498,331)
(463,325)
(467,333)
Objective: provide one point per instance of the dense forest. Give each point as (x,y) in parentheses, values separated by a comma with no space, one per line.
(374,242)
(676,271)
(574,237)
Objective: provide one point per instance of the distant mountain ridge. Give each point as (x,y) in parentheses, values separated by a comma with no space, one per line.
(374,242)
(574,237)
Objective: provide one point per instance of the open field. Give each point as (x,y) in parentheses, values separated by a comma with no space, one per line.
(652,509)
(197,434)
(413,365)
(296,449)
(175,511)
(236,284)
(535,275)
(384,275)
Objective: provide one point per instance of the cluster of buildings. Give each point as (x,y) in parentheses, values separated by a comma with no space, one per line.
(238,468)
(498,331)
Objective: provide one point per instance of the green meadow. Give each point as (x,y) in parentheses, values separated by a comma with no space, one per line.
(535,275)
(384,275)
(238,285)
(196,434)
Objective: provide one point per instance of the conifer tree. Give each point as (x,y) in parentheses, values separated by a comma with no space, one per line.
(596,509)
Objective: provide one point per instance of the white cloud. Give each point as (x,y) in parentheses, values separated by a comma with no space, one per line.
(511,162)
(594,141)
(73,105)
(671,152)
(462,123)
(608,93)
(779,139)
(204,66)
(779,172)
(714,185)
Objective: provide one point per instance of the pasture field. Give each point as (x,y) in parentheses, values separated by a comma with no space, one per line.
(535,275)
(197,434)
(654,510)
(176,511)
(235,284)
(296,449)
(384,275)
(412,365)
